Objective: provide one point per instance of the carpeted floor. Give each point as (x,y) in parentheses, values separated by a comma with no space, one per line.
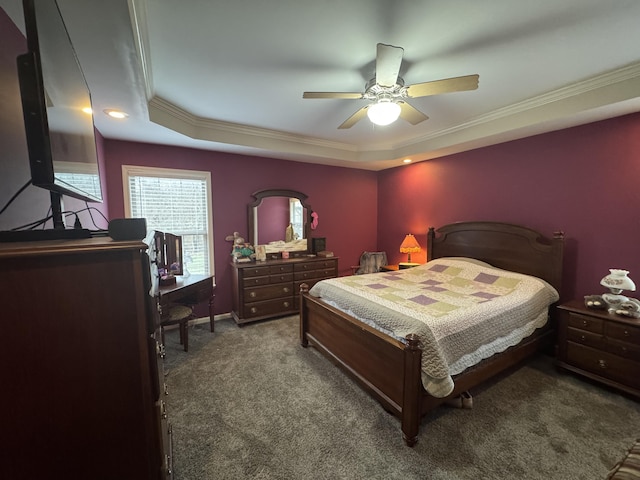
(251,403)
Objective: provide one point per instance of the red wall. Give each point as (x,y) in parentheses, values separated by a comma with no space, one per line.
(345,199)
(273,219)
(584,181)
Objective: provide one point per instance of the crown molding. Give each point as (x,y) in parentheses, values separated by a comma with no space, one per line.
(138,15)
(608,88)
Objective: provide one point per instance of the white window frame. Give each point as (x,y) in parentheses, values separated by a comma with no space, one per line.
(139,171)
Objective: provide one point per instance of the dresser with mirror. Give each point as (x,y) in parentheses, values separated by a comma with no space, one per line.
(281,221)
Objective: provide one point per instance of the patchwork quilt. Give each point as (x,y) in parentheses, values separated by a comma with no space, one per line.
(462,310)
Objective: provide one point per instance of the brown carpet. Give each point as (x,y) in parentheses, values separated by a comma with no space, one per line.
(251,403)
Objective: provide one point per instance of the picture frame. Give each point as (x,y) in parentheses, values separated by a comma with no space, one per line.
(261,253)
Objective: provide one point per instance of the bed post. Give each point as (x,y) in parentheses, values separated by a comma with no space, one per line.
(430,236)
(304,289)
(412,390)
(557,245)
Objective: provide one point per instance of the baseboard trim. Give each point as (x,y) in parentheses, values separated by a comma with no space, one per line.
(222,316)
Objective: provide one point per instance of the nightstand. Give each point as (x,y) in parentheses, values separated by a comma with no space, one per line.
(601,346)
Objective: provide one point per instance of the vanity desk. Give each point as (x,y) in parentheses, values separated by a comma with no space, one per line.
(271,288)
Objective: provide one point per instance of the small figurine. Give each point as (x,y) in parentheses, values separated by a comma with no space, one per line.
(240,248)
(630,308)
(595,301)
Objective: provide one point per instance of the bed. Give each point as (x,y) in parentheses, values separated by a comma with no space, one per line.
(391,369)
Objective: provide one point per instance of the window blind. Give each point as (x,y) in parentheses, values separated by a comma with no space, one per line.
(178,206)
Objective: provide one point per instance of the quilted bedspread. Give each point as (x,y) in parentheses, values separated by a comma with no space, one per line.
(462,310)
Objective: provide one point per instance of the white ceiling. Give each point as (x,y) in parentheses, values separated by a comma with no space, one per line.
(228,75)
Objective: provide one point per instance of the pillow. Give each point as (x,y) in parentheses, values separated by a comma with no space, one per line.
(471,260)
(629,467)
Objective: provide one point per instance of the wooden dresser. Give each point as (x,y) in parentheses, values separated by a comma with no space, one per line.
(83,390)
(599,345)
(271,288)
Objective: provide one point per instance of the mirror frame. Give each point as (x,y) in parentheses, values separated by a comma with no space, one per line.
(251,215)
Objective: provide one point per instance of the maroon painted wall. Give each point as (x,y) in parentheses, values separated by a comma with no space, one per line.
(345,199)
(584,181)
(33,203)
(273,219)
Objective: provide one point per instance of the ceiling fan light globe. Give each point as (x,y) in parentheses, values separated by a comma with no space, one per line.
(383,113)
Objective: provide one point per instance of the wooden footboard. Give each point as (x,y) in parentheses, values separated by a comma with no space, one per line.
(390,370)
(373,359)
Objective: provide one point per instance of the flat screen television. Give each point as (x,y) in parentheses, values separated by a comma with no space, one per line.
(57,110)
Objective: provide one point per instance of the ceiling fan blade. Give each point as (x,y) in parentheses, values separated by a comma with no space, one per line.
(388,61)
(342,95)
(355,118)
(455,84)
(411,114)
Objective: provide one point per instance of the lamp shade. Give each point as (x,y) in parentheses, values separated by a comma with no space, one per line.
(410,245)
(384,112)
(618,280)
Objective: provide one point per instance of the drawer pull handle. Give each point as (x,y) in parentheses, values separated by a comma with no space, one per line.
(626,333)
(584,323)
(163,410)
(166,389)
(254,309)
(583,338)
(285,289)
(602,364)
(167,465)
(252,294)
(286,304)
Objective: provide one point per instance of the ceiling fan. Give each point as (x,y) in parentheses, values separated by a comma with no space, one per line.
(387,91)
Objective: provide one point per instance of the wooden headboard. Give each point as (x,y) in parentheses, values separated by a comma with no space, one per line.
(503,245)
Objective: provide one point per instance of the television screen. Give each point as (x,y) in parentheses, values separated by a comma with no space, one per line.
(56,104)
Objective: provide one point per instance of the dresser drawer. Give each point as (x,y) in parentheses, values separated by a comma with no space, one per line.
(319,265)
(281,278)
(584,322)
(329,263)
(255,281)
(310,283)
(585,337)
(275,269)
(624,349)
(604,364)
(270,291)
(326,273)
(255,271)
(621,331)
(268,307)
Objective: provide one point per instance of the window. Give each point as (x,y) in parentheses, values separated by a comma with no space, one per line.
(177,202)
(296,217)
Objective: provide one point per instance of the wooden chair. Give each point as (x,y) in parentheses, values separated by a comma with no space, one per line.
(370,262)
(177,315)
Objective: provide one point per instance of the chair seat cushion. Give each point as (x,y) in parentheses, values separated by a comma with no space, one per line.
(179,312)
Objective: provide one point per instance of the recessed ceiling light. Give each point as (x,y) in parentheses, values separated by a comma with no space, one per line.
(87,110)
(407,160)
(116,113)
